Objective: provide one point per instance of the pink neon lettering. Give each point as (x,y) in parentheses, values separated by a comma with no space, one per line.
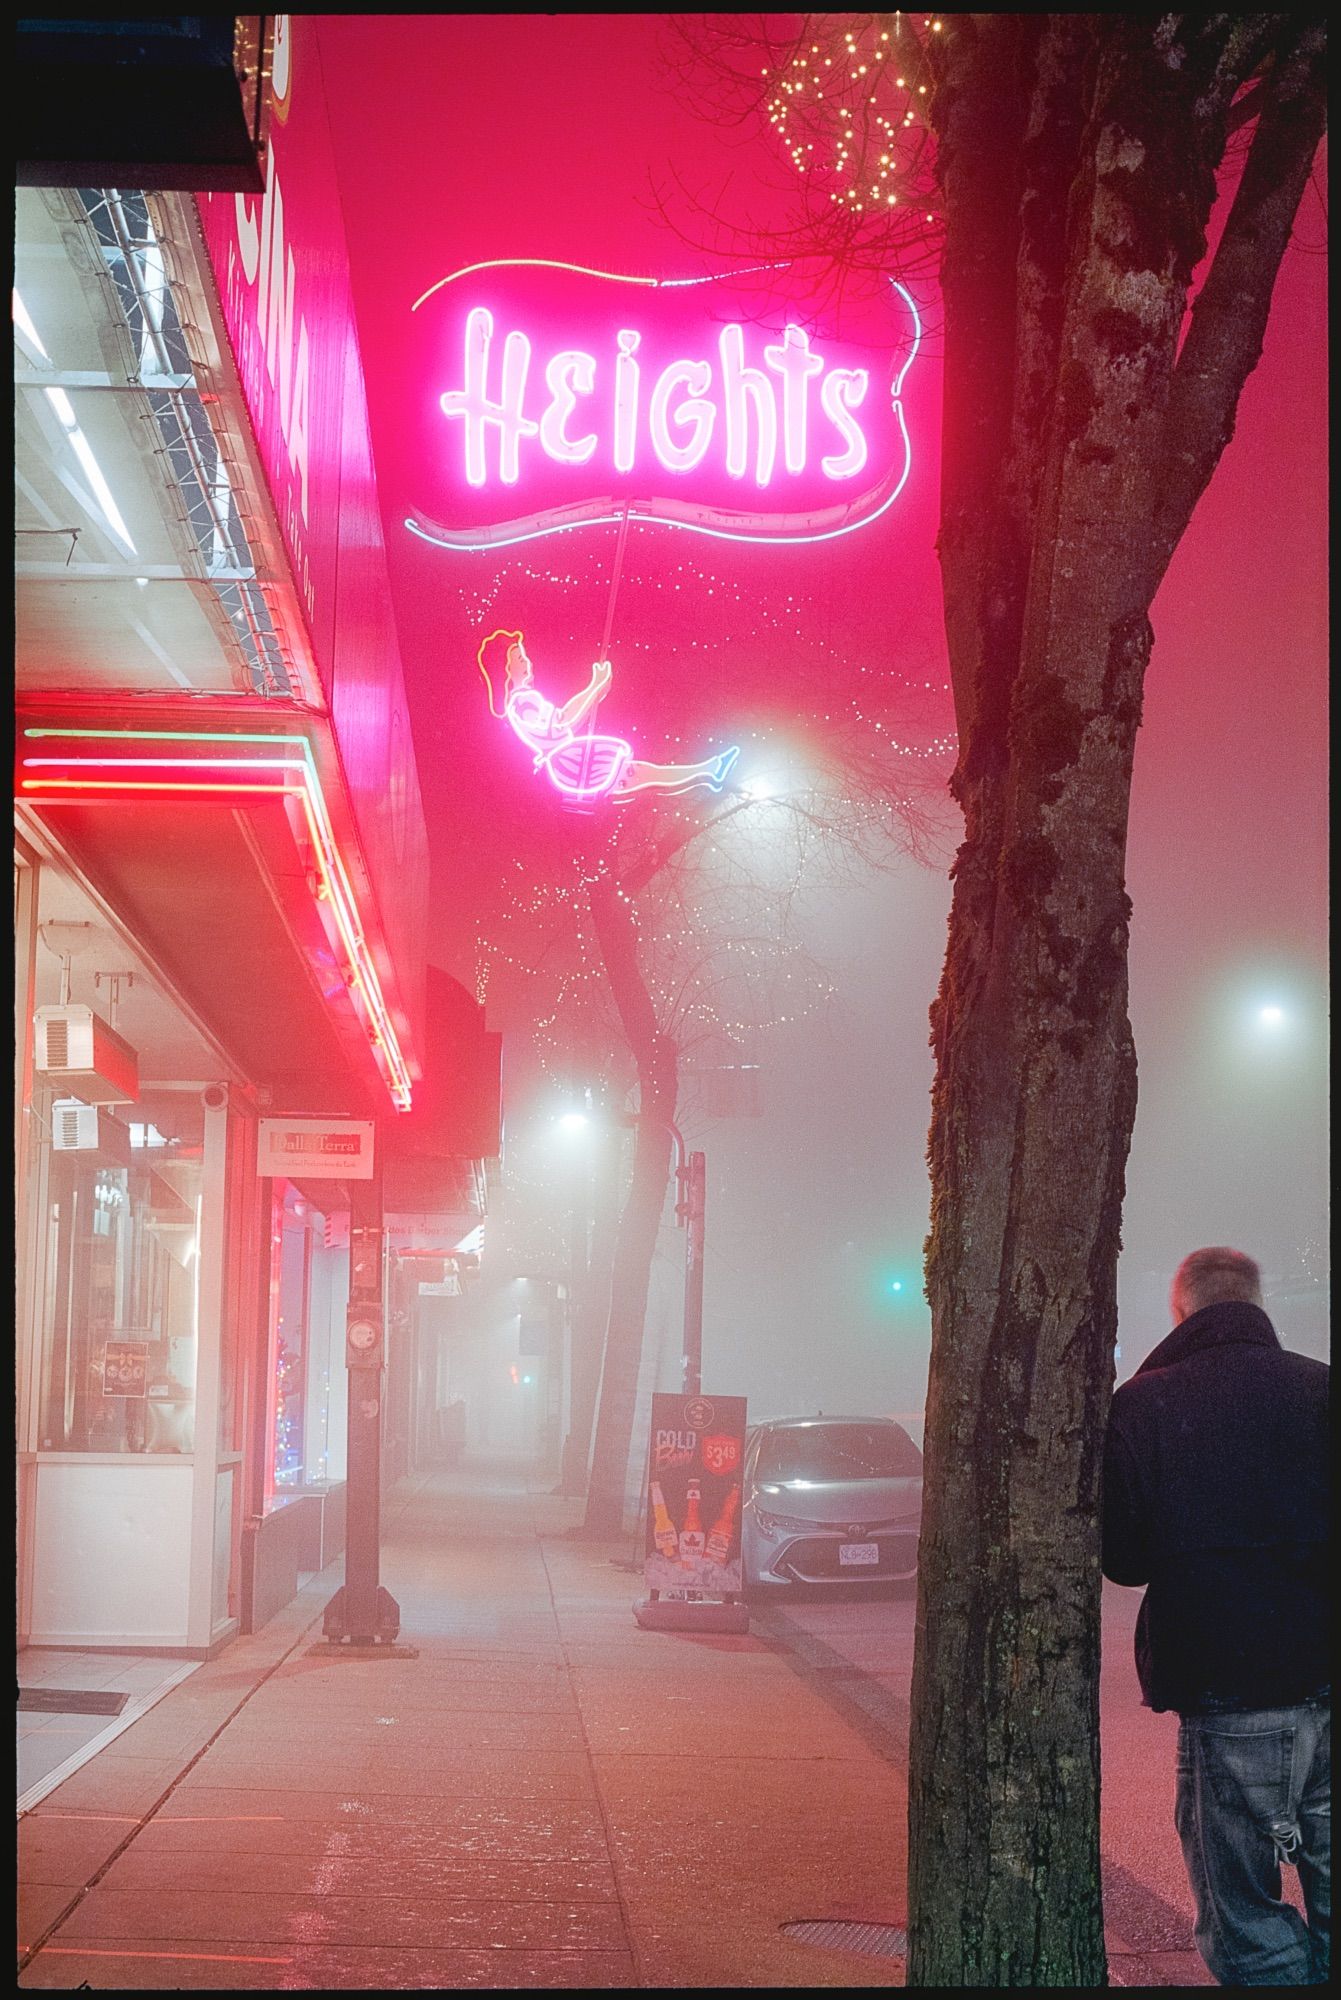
(472,403)
(680,426)
(796,365)
(844,390)
(567,376)
(740,386)
(696,376)
(627,374)
(266,259)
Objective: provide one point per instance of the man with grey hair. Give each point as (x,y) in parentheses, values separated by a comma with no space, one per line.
(1216,1498)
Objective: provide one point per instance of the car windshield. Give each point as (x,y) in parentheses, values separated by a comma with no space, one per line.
(838,1451)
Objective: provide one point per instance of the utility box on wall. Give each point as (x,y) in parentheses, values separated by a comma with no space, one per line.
(76,1048)
(101,1139)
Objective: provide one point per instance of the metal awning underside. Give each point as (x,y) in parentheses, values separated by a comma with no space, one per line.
(243,946)
(153,595)
(133,562)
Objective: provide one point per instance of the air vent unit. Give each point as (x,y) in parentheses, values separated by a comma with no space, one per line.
(101,1139)
(77,1049)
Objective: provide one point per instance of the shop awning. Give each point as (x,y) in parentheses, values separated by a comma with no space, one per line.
(222,851)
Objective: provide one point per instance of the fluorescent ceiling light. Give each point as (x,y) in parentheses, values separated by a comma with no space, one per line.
(24,327)
(83,451)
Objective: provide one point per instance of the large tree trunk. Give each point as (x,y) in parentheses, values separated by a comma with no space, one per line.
(1077,161)
(655,1057)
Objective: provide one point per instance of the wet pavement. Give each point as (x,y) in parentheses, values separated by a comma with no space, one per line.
(542,1796)
(856,1649)
(71,1704)
(530,1791)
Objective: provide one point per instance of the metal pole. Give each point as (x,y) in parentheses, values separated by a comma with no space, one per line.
(695,1200)
(364,1470)
(691,1614)
(690,1185)
(614,581)
(361,1610)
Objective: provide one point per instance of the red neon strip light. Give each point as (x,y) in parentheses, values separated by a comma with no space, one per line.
(176,763)
(330,864)
(151,785)
(334,878)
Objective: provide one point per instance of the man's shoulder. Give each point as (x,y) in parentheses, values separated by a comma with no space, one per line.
(1141,1391)
(1306,1370)
(1152,1386)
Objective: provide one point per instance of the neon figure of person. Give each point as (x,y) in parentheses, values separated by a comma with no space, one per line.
(588,766)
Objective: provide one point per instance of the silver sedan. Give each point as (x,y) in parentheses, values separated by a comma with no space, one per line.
(834,1500)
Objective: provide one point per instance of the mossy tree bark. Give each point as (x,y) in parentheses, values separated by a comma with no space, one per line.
(1077,158)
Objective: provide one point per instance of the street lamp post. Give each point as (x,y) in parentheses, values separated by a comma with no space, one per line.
(363,1611)
(691,1198)
(656,1613)
(690,1208)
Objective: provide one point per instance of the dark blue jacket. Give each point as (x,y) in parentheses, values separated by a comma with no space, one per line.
(1216,1498)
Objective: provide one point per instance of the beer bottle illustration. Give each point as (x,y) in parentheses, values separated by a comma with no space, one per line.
(691,1534)
(663,1528)
(719,1539)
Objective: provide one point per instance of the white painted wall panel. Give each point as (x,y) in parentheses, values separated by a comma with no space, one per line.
(111,1557)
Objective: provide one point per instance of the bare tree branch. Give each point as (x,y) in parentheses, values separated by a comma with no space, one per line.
(1229,317)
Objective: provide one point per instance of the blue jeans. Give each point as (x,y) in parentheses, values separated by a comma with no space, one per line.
(1255,1790)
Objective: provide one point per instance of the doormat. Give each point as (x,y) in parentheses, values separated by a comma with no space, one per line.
(72,1701)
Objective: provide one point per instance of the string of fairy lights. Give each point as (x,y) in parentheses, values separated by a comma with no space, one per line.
(848,86)
(734,621)
(849,100)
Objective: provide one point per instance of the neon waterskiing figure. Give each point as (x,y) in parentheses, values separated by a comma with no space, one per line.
(588,766)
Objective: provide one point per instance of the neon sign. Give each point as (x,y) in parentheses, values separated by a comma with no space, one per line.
(746,401)
(583,767)
(669,406)
(228,771)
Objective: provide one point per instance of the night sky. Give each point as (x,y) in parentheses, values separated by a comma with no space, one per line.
(465,137)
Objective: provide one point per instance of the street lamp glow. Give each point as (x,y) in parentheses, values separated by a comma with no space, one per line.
(1271,1016)
(574,1121)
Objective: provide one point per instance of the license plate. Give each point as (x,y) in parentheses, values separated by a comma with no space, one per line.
(855,1553)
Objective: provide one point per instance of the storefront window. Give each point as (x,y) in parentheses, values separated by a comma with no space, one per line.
(122,1293)
(309,1284)
(326,1377)
(290,1384)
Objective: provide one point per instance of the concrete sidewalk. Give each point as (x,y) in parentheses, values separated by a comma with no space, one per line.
(545,1796)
